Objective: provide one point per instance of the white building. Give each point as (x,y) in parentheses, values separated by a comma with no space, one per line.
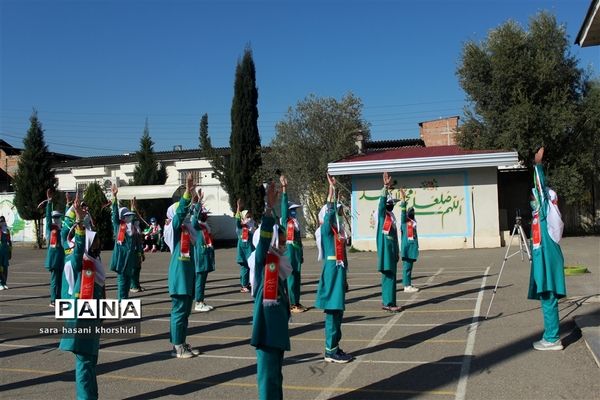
(76,175)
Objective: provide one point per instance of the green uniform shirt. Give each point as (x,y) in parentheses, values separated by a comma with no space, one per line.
(88,344)
(124,256)
(330,291)
(410,248)
(270,322)
(388,250)
(294,251)
(204,256)
(55,257)
(181,271)
(547,262)
(244,249)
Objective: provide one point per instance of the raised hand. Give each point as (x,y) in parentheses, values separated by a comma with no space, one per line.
(133,204)
(271,195)
(402,194)
(387,180)
(189,183)
(284,182)
(114,190)
(239,205)
(79,212)
(331,180)
(539,155)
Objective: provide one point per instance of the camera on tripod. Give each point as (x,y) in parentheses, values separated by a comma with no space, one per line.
(518,216)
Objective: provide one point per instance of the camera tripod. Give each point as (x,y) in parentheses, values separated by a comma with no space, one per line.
(517,230)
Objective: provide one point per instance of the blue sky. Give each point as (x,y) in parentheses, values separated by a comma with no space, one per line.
(95,70)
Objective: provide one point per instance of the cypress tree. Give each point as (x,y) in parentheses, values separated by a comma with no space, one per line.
(245,161)
(96,200)
(148,172)
(34,176)
(205,143)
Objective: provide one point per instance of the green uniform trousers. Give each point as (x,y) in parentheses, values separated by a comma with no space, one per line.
(123,284)
(180,311)
(55,284)
(3,275)
(244,275)
(333,330)
(269,363)
(135,278)
(200,285)
(85,376)
(388,288)
(550,313)
(407,266)
(293,283)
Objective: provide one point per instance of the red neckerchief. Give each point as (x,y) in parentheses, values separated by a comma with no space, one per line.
(122,231)
(54,236)
(184,248)
(88,272)
(340,242)
(410,230)
(271,282)
(245,233)
(388,223)
(291,227)
(536,236)
(207,236)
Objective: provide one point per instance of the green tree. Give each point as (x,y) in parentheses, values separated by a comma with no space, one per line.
(148,172)
(239,172)
(525,91)
(34,176)
(311,135)
(205,143)
(96,201)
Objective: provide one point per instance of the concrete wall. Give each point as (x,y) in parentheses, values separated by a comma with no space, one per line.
(454,209)
(20,230)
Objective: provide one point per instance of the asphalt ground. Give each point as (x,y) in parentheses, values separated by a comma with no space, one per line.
(438,347)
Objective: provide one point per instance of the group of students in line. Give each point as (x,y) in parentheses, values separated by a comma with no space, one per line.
(270,256)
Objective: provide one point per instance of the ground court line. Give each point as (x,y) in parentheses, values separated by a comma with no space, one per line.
(227,357)
(348,369)
(461,390)
(235,384)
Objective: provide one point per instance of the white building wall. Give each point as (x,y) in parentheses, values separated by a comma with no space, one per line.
(455,209)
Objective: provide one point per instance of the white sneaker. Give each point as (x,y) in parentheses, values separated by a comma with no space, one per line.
(1,287)
(189,348)
(546,345)
(5,287)
(202,307)
(180,351)
(410,289)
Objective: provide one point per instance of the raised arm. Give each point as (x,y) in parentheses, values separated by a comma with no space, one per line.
(184,202)
(115,209)
(48,212)
(284,200)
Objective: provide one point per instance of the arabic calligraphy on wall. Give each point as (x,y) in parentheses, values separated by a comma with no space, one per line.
(441,202)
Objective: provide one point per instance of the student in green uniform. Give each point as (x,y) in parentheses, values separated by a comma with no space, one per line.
(180,237)
(410,243)
(388,250)
(270,333)
(547,278)
(83,255)
(294,249)
(124,255)
(204,253)
(55,257)
(138,242)
(331,291)
(245,229)
(5,252)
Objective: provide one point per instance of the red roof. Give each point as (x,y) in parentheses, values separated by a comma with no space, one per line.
(415,152)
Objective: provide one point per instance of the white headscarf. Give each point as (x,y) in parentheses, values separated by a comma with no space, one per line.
(169,233)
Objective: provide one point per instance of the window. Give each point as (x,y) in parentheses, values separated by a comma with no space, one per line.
(196,174)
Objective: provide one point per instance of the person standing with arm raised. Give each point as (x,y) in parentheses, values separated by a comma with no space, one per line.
(55,257)
(388,249)
(204,252)
(244,229)
(331,294)
(124,255)
(547,278)
(181,238)
(294,248)
(410,243)
(270,334)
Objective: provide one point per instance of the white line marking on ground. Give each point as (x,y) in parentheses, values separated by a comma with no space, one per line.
(461,390)
(348,369)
